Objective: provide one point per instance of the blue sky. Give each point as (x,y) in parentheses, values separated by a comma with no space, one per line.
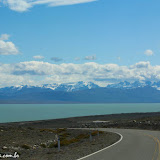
(102,31)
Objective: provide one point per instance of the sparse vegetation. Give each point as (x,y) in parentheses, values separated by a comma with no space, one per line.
(48,130)
(31,128)
(60,130)
(43,145)
(25,146)
(82,136)
(94,133)
(52,145)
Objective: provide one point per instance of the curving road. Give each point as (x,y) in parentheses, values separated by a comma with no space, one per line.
(135,145)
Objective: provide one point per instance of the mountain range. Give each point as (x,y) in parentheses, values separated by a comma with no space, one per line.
(83,92)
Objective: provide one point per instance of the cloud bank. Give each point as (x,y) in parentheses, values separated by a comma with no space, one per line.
(90,58)
(38,57)
(7,47)
(25,5)
(38,73)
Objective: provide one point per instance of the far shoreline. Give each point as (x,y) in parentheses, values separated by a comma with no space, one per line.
(138,120)
(88,116)
(23,113)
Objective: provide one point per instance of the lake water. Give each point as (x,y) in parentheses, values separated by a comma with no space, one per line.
(27,112)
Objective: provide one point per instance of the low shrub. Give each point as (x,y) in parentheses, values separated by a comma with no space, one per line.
(65,142)
(70,141)
(101,131)
(52,145)
(64,136)
(74,140)
(48,130)
(82,136)
(94,133)
(43,145)
(30,128)
(60,130)
(25,146)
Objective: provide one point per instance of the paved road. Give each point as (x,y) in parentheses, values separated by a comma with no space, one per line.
(135,145)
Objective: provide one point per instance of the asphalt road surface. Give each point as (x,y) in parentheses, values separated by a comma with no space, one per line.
(134,145)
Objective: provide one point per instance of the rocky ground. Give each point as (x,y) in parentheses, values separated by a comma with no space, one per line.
(41,144)
(36,140)
(149,121)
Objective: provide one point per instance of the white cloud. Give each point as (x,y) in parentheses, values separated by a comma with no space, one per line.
(142,64)
(77,58)
(17,5)
(149,52)
(4,37)
(39,72)
(24,5)
(38,57)
(7,47)
(92,57)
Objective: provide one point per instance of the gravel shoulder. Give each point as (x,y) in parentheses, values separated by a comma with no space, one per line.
(40,144)
(35,140)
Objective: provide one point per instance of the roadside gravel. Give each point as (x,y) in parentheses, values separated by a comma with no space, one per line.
(39,144)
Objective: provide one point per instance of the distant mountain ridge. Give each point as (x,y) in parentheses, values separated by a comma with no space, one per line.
(136,84)
(83,92)
(69,87)
(66,87)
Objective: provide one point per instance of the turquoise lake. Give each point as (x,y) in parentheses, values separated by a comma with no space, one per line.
(27,112)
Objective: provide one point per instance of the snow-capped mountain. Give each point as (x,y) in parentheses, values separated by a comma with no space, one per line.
(136,84)
(69,87)
(83,92)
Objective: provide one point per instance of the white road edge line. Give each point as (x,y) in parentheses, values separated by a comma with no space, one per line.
(104,148)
